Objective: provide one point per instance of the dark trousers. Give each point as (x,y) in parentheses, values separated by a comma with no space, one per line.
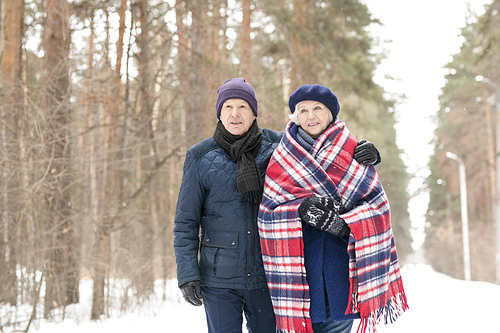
(225,308)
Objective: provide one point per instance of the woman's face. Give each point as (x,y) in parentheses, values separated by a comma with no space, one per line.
(314,117)
(237,116)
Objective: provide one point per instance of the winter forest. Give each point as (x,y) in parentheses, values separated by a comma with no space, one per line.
(100,99)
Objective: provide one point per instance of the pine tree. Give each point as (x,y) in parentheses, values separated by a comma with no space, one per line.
(466,126)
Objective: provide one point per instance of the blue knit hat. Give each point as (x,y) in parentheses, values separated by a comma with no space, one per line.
(317,93)
(236,88)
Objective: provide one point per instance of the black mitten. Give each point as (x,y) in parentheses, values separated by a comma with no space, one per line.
(192,292)
(366,153)
(323,218)
(329,203)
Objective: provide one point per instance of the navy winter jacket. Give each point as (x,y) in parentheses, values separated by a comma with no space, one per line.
(226,253)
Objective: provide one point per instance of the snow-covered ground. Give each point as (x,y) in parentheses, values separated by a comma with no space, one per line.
(437,302)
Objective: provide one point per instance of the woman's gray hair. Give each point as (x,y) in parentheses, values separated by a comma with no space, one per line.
(295,117)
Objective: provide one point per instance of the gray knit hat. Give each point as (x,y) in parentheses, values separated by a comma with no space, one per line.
(236,88)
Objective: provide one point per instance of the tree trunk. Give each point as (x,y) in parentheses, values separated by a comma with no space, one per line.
(119,112)
(195,98)
(98,263)
(246,42)
(182,46)
(145,277)
(62,270)
(299,53)
(490,141)
(10,178)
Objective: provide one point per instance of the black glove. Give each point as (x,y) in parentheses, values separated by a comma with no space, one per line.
(192,292)
(323,218)
(330,203)
(366,153)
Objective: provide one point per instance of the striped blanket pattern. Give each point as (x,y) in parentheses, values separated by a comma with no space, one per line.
(293,174)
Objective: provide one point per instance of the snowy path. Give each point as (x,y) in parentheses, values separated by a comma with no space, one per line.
(437,302)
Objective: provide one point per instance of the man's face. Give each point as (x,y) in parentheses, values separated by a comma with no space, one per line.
(314,117)
(237,116)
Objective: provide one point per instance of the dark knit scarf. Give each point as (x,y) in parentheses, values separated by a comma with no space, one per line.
(305,140)
(244,150)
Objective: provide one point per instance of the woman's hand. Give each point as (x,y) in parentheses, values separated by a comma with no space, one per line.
(316,211)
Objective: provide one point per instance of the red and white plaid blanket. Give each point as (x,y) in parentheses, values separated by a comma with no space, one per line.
(293,174)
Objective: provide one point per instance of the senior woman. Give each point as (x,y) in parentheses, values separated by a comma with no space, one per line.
(326,237)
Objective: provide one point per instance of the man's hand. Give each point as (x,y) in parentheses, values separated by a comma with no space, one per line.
(366,153)
(192,292)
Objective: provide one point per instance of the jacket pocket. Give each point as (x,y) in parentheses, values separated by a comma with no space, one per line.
(219,254)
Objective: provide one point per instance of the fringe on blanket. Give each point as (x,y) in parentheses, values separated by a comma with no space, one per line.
(394,308)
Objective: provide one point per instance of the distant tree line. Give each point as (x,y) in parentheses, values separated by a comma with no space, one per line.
(467,126)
